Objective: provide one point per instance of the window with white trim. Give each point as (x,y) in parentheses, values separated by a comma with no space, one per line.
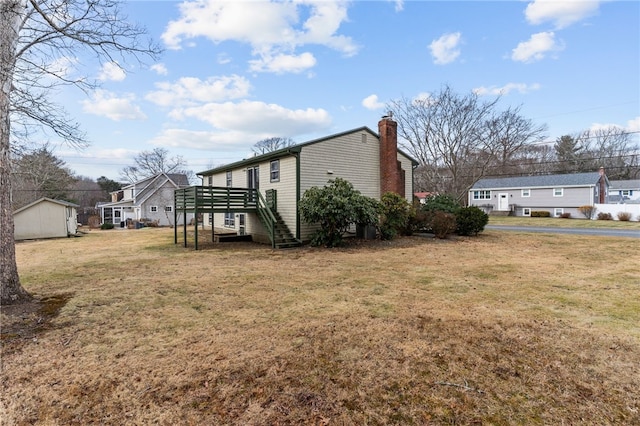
(275,171)
(154,209)
(557,212)
(210,180)
(526,211)
(229,179)
(481,195)
(558,192)
(626,193)
(168,209)
(229,220)
(526,193)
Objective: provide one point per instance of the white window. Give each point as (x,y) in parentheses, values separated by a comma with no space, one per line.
(625,193)
(210,180)
(275,171)
(481,195)
(229,220)
(229,179)
(154,209)
(558,192)
(168,208)
(526,193)
(526,211)
(558,212)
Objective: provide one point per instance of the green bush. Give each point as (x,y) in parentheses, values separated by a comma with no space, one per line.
(471,220)
(335,207)
(604,216)
(540,213)
(624,216)
(395,213)
(441,203)
(443,224)
(107,225)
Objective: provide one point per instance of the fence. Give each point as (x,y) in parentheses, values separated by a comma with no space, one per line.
(614,209)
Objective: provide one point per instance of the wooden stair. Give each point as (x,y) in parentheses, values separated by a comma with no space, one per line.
(282,235)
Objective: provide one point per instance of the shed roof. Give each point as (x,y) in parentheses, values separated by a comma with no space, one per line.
(38,201)
(573,179)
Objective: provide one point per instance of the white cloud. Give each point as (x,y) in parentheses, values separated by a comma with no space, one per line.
(190,90)
(399,5)
(111,71)
(281,64)
(258,117)
(506,89)
(445,49)
(562,13)
(273,29)
(536,47)
(106,104)
(160,69)
(371,102)
(633,125)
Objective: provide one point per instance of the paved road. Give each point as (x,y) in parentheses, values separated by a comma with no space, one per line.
(581,231)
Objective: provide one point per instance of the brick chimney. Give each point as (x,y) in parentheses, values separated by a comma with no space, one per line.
(392,177)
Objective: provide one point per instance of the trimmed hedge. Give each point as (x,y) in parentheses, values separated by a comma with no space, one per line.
(540,213)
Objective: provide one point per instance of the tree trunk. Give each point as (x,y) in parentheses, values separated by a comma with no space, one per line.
(11,290)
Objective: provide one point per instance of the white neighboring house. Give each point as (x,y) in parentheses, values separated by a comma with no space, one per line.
(624,191)
(150,199)
(45,218)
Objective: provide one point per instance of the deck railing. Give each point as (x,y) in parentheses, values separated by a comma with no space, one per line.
(214,198)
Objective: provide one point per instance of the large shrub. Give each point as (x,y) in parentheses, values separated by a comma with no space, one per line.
(335,207)
(471,221)
(395,213)
(441,203)
(433,205)
(443,224)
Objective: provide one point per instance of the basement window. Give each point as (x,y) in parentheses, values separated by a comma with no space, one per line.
(558,212)
(168,209)
(526,211)
(229,220)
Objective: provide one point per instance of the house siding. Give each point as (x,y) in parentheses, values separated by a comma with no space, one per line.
(540,199)
(337,156)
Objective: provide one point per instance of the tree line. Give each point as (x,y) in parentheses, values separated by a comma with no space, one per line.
(458,139)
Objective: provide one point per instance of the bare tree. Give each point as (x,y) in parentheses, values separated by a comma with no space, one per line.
(35,35)
(508,134)
(271,144)
(610,147)
(150,163)
(447,134)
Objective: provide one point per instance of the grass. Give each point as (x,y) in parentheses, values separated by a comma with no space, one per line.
(505,328)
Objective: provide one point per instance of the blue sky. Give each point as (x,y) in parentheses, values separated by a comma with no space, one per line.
(235,72)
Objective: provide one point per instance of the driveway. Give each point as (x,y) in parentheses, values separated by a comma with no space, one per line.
(581,231)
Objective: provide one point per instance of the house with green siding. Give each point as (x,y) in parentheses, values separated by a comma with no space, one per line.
(371,161)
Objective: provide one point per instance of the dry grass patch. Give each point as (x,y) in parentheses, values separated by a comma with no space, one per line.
(501,329)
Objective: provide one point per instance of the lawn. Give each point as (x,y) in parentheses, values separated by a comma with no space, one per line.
(502,329)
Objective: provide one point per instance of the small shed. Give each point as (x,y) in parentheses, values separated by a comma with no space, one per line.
(45,218)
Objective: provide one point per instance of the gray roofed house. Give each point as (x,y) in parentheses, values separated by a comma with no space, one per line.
(558,194)
(624,191)
(149,199)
